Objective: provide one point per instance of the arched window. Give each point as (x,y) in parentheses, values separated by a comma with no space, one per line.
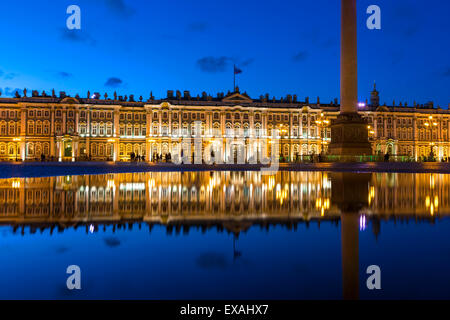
(38,149)
(193,129)
(30,149)
(237,130)
(258,130)
(165,130)
(129,148)
(58,128)
(94,128)
(109,150)
(216,130)
(3,128)
(30,127)
(304,149)
(94,149)
(295,149)
(70,127)
(2,149)
(101,129)
(109,129)
(175,129)
(82,128)
(46,127)
(11,149)
(136,149)
(38,127)
(228,130)
(12,128)
(46,149)
(286,150)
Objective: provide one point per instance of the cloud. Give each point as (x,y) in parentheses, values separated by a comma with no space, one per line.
(328,43)
(64,74)
(61,249)
(10,76)
(446,72)
(300,56)
(213,64)
(212,260)
(10,92)
(220,64)
(246,63)
(7,76)
(397,56)
(113,82)
(197,27)
(316,37)
(119,7)
(408,17)
(78,36)
(410,30)
(112,242)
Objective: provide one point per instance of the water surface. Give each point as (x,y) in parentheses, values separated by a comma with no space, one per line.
(225,235)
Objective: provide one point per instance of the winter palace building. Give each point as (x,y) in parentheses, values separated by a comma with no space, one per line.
(72,128)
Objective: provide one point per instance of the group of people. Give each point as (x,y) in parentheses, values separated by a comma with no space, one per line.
(159,157)
(137,157)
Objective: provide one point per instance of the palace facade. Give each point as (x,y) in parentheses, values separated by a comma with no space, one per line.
(72,128)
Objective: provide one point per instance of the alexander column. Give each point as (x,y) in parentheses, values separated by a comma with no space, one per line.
(349,133)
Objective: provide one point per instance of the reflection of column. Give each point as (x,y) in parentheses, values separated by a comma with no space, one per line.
(350,255)
(350,192)
(22,199)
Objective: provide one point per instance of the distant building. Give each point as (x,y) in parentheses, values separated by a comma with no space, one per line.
(73,128)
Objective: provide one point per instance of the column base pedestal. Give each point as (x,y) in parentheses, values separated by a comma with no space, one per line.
(350,136)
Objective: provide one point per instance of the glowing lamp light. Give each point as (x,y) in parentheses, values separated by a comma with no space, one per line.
(361,104)
(362,223)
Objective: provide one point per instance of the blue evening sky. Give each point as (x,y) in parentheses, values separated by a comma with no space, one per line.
(287,46)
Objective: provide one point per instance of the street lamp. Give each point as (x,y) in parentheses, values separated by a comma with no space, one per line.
(430,124)
(371,131)
(322,123)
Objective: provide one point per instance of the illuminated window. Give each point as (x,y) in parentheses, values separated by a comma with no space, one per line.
(12,128)
(38,127)
(109,129)
(30,127)
(46,127)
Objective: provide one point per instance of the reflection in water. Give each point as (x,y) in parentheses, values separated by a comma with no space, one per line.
(230,201)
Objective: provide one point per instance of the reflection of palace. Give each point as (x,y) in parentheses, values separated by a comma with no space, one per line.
(216,198)
(72,128)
